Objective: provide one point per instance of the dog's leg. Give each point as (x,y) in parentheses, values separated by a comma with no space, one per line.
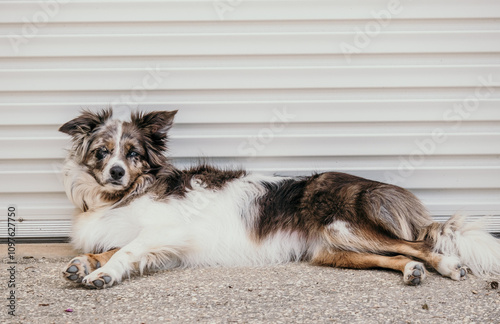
(413,272)
(121,264)
(379,243)
(448,266)
(81,266)
(142,252)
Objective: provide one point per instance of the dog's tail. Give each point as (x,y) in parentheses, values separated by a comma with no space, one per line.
(477,249)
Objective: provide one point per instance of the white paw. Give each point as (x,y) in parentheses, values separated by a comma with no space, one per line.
(414,273)
(450,267)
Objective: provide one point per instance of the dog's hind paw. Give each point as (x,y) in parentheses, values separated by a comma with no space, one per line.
(98,280)
(450,267)
(414,273)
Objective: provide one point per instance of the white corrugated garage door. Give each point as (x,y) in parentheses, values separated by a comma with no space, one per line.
(406,92)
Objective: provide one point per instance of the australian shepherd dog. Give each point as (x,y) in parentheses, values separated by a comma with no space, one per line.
(137,211)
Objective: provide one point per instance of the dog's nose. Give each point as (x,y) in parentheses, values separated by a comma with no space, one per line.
(117,172)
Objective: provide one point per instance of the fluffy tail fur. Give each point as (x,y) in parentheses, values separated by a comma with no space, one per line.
(476,248)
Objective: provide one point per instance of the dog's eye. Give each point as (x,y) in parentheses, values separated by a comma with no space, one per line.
(101,153)
(132,154)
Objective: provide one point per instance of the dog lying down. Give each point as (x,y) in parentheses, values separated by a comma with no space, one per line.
(137,212)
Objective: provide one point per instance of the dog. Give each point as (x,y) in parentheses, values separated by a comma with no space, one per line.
(139,212)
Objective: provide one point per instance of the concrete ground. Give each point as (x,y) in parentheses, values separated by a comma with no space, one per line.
(291,293)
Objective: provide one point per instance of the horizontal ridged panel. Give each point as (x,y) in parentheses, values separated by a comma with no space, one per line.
(260,10)
(139,80)
(38,229)
(123,98)
(263,111)
(252,44)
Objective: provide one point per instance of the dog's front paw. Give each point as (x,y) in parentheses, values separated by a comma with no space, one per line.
(98,280)
(450,267)
(77,269)
(414,273)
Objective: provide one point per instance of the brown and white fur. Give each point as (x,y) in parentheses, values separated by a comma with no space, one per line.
(140,212)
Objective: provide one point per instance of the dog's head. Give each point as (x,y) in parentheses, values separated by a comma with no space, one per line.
(114,152)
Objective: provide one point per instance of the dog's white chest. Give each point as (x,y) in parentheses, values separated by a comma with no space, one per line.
(106,228)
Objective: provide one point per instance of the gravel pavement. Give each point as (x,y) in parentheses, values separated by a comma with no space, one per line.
(291,293)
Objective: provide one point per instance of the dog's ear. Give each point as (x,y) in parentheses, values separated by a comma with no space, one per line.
(156,123)
(155,126)
(86,122)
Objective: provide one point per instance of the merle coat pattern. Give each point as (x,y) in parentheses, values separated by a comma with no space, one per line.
(138,211)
